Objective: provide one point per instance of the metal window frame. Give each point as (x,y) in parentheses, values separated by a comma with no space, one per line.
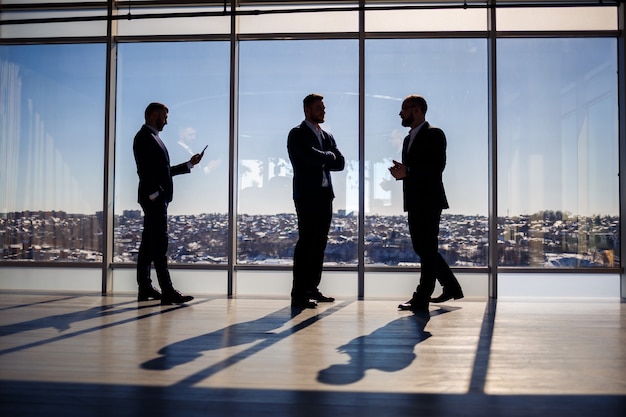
(117,10)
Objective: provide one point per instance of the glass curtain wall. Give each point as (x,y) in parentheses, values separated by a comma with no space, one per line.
(451,74)
(192,80)
(51,152)
(557,153)
(557,138)
(274,78)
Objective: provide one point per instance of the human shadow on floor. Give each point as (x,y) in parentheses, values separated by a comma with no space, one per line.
(237,334)
(40,302)
(63,323)
(389,349)
(265,331)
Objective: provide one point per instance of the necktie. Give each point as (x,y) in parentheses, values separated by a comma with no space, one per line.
(325,176)
(405,146)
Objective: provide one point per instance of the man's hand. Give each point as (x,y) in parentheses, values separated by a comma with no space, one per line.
(195,160)
(398,170)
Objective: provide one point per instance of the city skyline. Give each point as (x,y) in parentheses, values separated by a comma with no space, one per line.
(548,239)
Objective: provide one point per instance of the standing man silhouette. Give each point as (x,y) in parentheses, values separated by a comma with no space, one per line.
(313,154)
(423,162)
(155,193)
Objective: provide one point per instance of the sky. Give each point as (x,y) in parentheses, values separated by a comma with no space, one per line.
(557,121)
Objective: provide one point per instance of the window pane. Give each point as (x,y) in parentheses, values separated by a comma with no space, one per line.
(51,151)
(274,78)
(57,29)
(330,21)
(451,74)
(558,18)
(211,24)
(558,195)
(426,20)
(192,79)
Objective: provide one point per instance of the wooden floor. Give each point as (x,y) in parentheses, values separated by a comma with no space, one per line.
(74,354)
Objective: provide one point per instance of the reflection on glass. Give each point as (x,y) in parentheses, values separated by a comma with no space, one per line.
(425,20)
(214,21)
(452,75)
(557,18)
(558,197)
(94,24)
(192,79)
(287,20)
(51,152)
(274,78)
(557,141)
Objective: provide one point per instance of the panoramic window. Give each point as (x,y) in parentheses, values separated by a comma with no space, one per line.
(451,74)
(274,77)
(558,193)
(51,148)
(192,80)
(557,162)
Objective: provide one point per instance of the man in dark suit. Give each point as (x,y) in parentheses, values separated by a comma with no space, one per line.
(423,162)
(155,193)
(313,154)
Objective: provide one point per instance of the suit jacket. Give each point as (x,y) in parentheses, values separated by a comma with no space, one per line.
(153,166)
(310,163)
(426,160)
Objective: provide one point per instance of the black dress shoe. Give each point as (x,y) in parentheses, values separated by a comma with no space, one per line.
(413,305)
(148,293)
(174,297)
(407,304)
(448,295)
(303,303)
(321,298)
